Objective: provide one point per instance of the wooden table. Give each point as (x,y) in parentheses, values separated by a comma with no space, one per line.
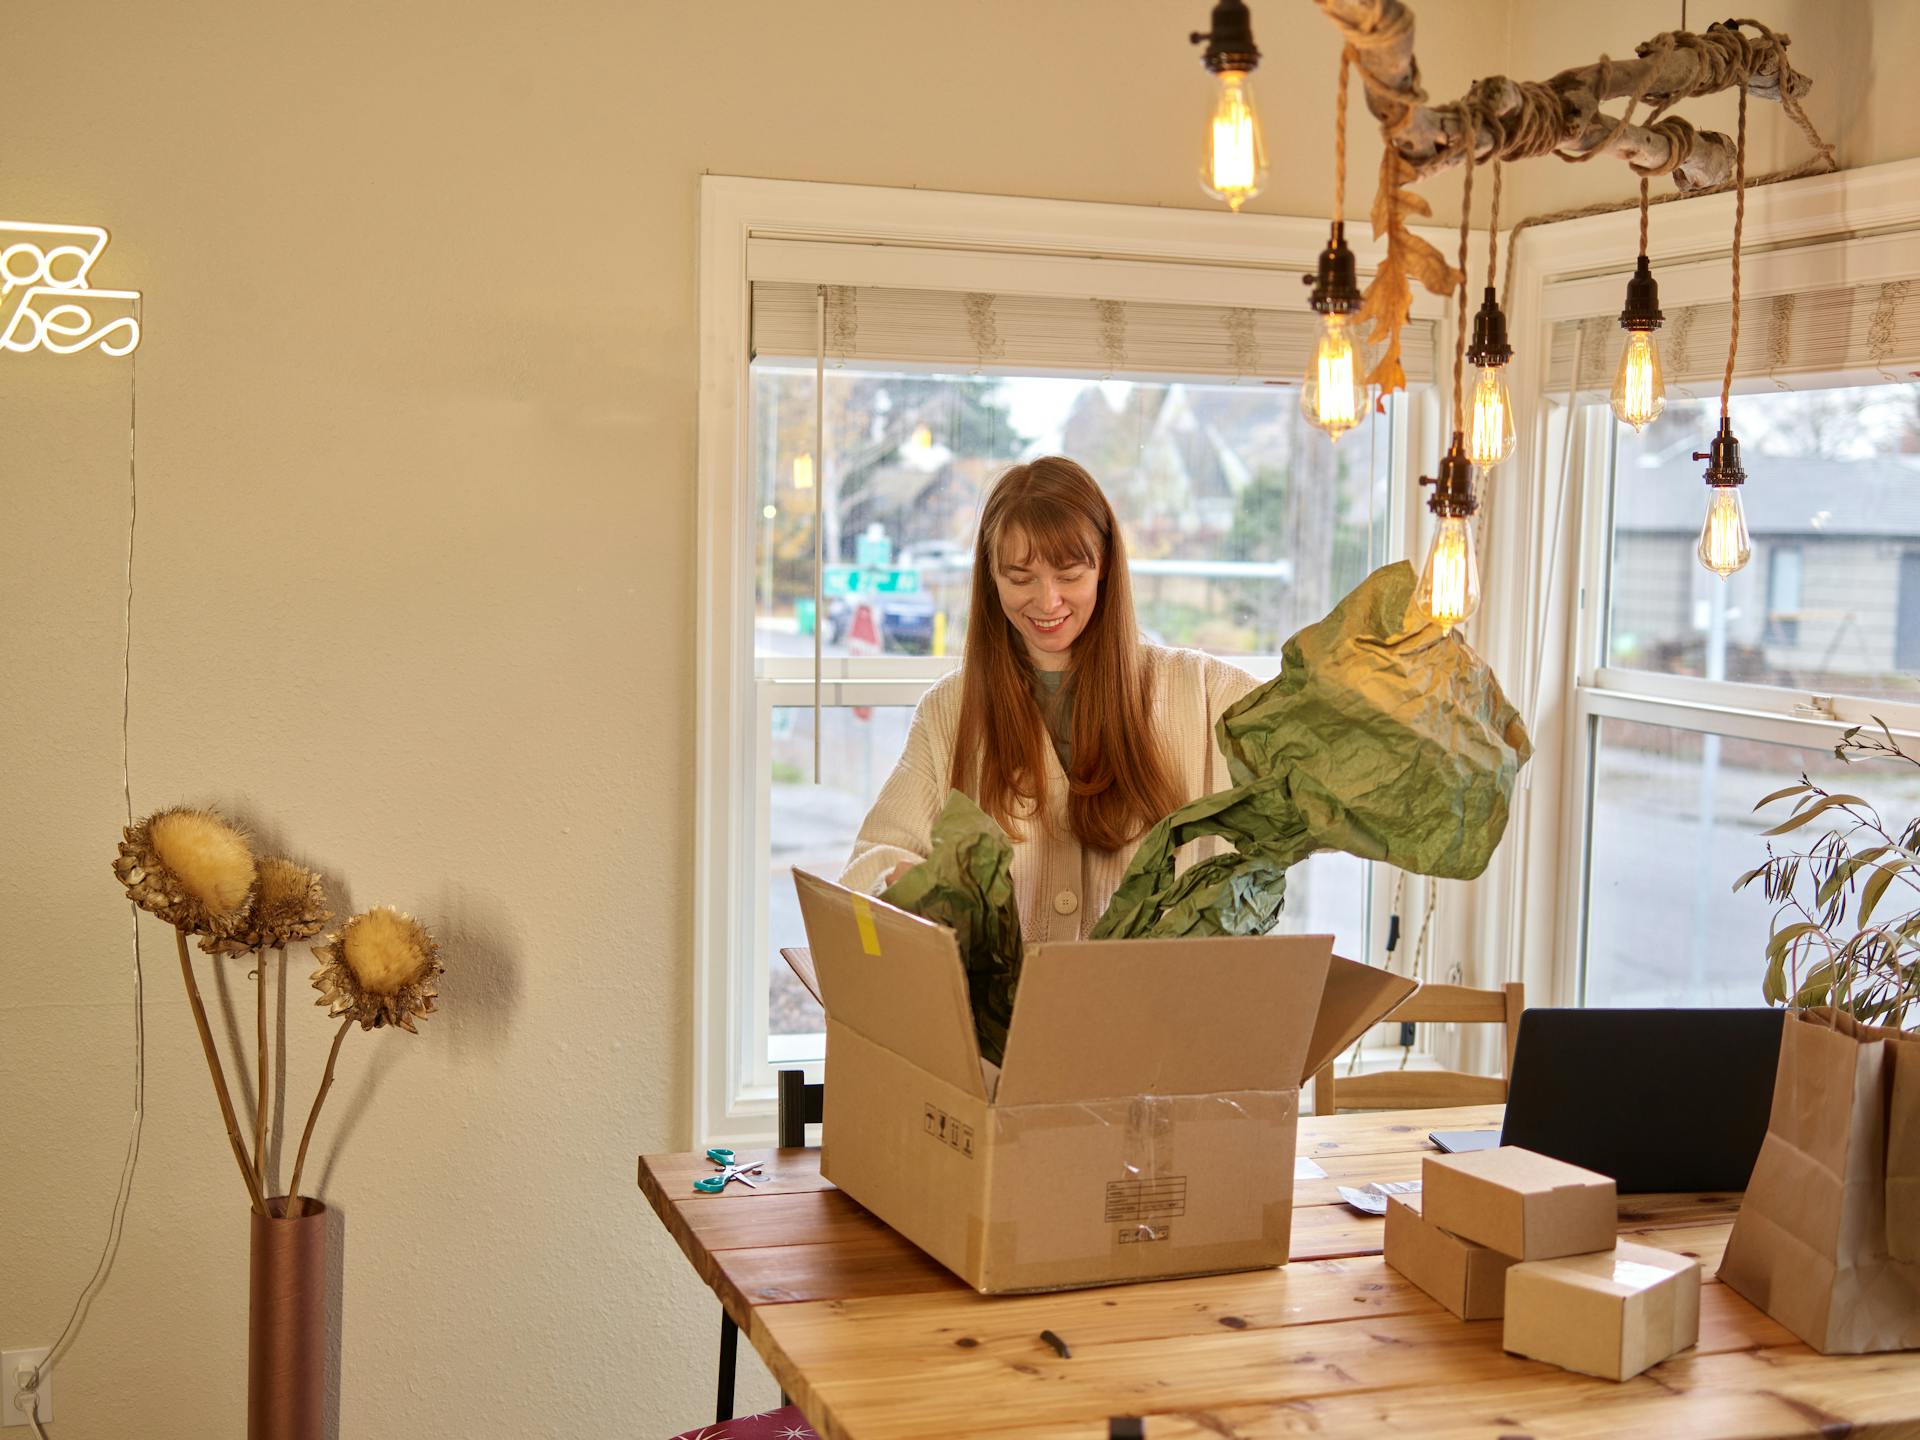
(874,1341)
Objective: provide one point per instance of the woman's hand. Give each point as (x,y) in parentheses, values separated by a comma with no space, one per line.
(897,871)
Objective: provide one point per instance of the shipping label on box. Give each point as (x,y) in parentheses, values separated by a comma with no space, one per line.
(1469,1279)
(1610,1314)
(1144,1122)
(1528,1206)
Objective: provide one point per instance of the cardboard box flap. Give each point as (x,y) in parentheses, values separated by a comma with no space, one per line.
(893,977)
(1357,997)
(800,960)
(1098,1019)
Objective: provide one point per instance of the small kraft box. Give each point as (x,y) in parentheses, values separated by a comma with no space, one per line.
(1610,1314)
(1519,1203)
(1143,1124)
(1469,1279)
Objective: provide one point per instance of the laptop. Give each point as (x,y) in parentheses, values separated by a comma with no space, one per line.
(1661,1100)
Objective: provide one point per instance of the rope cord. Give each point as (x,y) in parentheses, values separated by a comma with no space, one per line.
(1340,137)
(1643,214)
(1739,218)
(1460,338)
(1493,228)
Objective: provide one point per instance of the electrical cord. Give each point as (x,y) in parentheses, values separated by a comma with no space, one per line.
(116,1225)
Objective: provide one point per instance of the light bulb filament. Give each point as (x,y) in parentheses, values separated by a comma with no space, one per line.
(1490,432)
(1334,361)
(1639,388)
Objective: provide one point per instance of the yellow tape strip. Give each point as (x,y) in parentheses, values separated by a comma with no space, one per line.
(863,917)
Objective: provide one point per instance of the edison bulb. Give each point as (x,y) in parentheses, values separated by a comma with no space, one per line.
(1639,386)
(1724,546)
(1450,584)
(1335,395)
(1490,437)
(1235,164)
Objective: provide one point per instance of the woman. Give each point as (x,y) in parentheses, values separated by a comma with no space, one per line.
(1061,723)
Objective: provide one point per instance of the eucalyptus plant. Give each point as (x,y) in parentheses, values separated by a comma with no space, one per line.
(1846,920)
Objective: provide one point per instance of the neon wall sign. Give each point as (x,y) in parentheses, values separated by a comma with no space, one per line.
(45,300)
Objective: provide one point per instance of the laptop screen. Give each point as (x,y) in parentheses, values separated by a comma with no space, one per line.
(1662,1100)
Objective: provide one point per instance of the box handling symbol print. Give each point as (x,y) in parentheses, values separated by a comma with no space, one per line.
(45,301)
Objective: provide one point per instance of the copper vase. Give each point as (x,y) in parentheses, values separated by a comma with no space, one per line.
(287,1324)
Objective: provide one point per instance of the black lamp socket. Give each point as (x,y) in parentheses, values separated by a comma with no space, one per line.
(1230,42)
(1723,458)
(1453,495)
(1336,286)
(1643,300)
(1490,345)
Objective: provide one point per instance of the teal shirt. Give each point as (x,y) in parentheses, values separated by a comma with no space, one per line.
(1056,708)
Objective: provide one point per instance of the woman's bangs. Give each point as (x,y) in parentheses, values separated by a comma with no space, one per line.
(1045,532)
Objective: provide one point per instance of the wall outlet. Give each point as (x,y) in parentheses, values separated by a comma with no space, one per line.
(13,1363)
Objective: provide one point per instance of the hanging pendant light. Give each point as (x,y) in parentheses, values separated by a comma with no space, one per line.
(1490,433)
(1724,545)
(1334,396)
(1233,165)
(1639,386)
(1449,588)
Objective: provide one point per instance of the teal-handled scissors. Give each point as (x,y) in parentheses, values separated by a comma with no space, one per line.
(729,1172)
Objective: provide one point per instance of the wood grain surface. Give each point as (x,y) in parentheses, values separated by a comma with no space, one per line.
(875,1341)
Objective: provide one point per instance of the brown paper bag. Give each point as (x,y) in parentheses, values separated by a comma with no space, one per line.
(1827,1241)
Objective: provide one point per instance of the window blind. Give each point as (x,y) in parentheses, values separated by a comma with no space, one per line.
(1026,334)
(1814,332)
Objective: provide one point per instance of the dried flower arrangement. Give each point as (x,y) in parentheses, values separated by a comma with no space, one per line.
(198,872)
(1871,972)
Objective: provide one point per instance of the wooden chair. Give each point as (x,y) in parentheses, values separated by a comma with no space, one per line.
(1426,1089)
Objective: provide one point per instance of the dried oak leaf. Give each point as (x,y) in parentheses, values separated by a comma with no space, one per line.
(1389,297)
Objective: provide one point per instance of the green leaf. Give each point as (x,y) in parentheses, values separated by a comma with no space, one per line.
(1774,987)
(1786,935)
(1876,886)
(1799,789)
(1825,804)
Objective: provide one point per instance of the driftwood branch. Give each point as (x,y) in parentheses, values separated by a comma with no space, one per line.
(1563,115)
(1503,119)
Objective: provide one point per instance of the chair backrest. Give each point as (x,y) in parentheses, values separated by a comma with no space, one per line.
(1426,1089)
(801,1105)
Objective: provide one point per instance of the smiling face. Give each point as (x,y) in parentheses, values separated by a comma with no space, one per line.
(1049,605)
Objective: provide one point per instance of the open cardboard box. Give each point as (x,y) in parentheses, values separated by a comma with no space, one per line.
(1143,1125)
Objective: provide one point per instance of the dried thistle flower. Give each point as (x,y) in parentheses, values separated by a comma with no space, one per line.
(189,867)
(378,969)
(288,903)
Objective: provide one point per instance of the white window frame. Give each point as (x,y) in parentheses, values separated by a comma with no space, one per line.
(778,230)
(1857,227)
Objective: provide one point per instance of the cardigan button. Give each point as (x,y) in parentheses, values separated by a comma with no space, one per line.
(1066,902)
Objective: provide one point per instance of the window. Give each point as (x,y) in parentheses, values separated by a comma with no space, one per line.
(1832,501)
(1690,698)
(957,335)
(1242,524)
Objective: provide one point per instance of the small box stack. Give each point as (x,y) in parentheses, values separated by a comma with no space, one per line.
(1573,1296)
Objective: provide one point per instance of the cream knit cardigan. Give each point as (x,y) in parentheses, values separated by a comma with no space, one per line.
(1062,888)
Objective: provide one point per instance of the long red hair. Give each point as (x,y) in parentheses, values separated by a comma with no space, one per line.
(1121,782)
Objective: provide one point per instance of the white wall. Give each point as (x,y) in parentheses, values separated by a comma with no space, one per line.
(414,566)
(1859,53)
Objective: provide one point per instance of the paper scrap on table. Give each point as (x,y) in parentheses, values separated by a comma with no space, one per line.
(1373,1199)
(1305,1169)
